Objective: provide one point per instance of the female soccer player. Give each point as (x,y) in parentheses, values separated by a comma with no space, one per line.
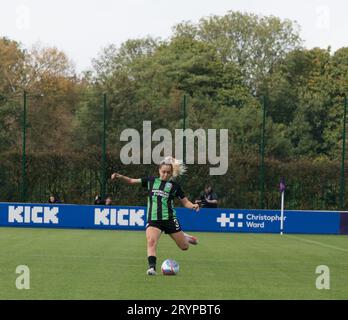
(161,216)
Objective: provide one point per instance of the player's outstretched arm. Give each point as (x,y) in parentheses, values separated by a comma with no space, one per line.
(188,204)
(116,176)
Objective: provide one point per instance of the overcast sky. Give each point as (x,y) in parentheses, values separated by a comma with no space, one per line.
(82,27)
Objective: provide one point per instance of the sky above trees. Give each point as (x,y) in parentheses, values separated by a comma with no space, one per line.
(83,28)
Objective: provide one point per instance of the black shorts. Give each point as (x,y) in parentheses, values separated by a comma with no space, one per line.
(168,226)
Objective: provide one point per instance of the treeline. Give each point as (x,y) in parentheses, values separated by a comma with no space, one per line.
(228,67)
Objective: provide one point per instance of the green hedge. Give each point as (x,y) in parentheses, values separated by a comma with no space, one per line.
(76,178)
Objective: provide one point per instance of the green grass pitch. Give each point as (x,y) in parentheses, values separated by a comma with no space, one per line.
(95,264)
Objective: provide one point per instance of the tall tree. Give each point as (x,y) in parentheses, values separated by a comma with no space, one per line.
(255,43)
(53,96)
(12,78)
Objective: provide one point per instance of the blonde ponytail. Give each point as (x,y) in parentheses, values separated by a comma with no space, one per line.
(178,166)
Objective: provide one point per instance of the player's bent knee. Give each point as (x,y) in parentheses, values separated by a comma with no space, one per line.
(184,247)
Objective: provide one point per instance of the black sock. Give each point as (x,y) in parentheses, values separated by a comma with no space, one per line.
(152,262)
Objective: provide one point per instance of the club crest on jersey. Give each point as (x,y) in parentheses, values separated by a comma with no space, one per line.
(168,185)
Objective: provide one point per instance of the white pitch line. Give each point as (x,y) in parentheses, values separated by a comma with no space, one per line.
(317,242)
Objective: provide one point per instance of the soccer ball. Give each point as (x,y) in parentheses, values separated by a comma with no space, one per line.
(170,267)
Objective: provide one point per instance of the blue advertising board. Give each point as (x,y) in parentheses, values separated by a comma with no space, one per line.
(261,221)
(134,218)
(72,216)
